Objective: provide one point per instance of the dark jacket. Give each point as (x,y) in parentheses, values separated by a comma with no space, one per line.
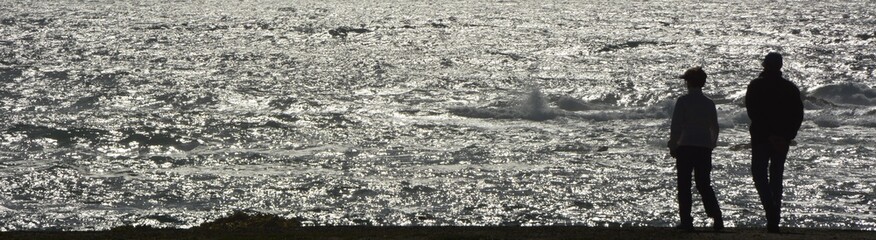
(774,106)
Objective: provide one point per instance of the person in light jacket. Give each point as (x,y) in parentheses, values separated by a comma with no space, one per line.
(693,135)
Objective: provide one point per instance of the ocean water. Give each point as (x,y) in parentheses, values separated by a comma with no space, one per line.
(169,113)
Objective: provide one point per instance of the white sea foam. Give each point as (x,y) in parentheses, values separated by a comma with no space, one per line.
(535,107)
(827,121)
(661,110)
(531,106)
(843,104)
(846,93)
(838,116)
(733,118)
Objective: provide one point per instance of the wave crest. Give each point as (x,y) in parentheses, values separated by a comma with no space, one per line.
(532,107)
(846,93)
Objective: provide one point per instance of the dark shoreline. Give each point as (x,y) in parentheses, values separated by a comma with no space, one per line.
(369,232)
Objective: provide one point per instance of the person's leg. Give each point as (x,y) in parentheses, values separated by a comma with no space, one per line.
(703,176)
(777,169)
(761,150)
(684,167)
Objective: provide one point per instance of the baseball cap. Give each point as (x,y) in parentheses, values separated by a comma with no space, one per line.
(694,73)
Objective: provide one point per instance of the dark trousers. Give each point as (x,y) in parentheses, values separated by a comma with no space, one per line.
(767,167)
(696,160)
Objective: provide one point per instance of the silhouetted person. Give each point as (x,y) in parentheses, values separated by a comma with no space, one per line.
(693,135)
(776,112)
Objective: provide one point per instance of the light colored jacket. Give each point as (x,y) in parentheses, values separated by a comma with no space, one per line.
(694,121)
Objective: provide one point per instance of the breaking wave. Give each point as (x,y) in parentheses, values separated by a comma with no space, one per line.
(532,107)
(662,109)
(843,104)
(846,93)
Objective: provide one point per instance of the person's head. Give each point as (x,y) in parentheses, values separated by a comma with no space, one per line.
(772,61)
(695,77)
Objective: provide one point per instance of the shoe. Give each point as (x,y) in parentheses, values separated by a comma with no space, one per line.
(685,227)
(718,224)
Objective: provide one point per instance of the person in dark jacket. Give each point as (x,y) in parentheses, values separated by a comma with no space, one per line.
(692,136)
(776,112)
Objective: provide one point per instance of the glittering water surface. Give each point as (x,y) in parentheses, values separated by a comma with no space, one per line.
(170,114)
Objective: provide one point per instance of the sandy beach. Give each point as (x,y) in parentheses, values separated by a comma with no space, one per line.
(362,232)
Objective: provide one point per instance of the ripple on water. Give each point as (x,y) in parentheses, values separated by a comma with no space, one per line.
(186,114)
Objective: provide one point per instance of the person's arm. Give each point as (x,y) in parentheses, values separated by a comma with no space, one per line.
(796,117)
(675,126)
(753,104)
(714,129)
(790,116)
